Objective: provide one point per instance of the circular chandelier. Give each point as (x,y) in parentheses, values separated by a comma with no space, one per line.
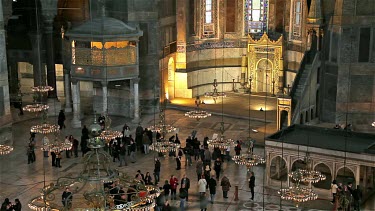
(297,194)
(109,135)
(222,143)
(42,88)
(5,149)
(197,113)
(164,146)
(44,128)
(57,146)
(215,94)
(162,128)
(248,159)
(310,176)
(35,108)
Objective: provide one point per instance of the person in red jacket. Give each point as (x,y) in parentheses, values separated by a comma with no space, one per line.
(174,184)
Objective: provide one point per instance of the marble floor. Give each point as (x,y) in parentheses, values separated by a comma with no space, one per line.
(23,181)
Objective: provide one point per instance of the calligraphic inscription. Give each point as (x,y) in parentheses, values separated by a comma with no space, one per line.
(95,72)
(112,72)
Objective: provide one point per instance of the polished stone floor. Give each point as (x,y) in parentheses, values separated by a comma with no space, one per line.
(23,181)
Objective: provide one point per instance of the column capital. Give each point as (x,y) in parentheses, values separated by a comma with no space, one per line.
(104,83)
(136,80)
(74,81)
(66,71)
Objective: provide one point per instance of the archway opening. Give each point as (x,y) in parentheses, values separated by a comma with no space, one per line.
(345,175)
(324,169)
(298,164)
(264,76)
(278,169)
(283,119)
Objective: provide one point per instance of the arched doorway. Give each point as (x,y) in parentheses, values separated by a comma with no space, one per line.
(264,76)
(278,169)
(171,78)
(283,119)
(345,175)
(324,169)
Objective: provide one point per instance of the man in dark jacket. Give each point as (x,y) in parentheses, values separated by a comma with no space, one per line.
(217,167)
(225,184)
(157,170)
(212,186)
(67,198)
(61,119)
(252,184)
(186,182)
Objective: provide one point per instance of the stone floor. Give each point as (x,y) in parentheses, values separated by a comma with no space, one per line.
(24,181)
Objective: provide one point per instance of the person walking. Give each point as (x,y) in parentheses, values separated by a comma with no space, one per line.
(225,184)
(157,166)
(174,183)
(122,155)
(138,137)
(132,151)
(207,157)
(67,198)
(238,148)
(186,182)
(83,144)
(61,119)
(207,172)
(183,195)
(146,143)
(199,168)
(212,186)
(252,184)
(202,184)
(217,167)
(178,159)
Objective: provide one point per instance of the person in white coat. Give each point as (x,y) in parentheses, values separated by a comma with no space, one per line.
(202,184)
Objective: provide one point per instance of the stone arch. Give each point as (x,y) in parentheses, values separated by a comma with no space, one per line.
(278,170)
(171,79)
(297,163)
(264,75)
(345,174)
(327,171)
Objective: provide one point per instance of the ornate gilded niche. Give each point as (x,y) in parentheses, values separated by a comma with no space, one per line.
(265,64)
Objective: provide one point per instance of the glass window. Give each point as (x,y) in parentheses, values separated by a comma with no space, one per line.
(256,13)
(208,11)
(297,18)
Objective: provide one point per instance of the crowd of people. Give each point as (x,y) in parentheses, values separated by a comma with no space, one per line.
(346,196)
(7,205)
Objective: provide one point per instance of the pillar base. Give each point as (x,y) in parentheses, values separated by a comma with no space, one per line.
(136,120)
(54,106)
(76,122)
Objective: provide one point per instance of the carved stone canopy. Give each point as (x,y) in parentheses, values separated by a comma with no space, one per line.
(103,29)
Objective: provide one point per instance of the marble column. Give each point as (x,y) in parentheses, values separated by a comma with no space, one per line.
(105,97)
(76,121)
(136,100)
(50,57)
(38,70)
(67,90)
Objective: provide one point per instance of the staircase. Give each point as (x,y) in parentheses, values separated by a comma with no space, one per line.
(309,65)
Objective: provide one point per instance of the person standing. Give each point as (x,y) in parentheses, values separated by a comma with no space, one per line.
(85,131)
(122,155)
(207,157)
(138,137)
(75,147)
(178,159)
(186,182)
(148,179)
(183,195)
(157,170)
(225,184)
(334,188)
(252,184)
(357,197)
(237,148)
(174,183)
(217,167)
(83,144)
(132,151)
(67,198)
(17,206)
(212,186)
(199,168)
(146,143)
(202,184)
(166,187)
(53,155)
(227,153)
(58,159)
(61,119)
